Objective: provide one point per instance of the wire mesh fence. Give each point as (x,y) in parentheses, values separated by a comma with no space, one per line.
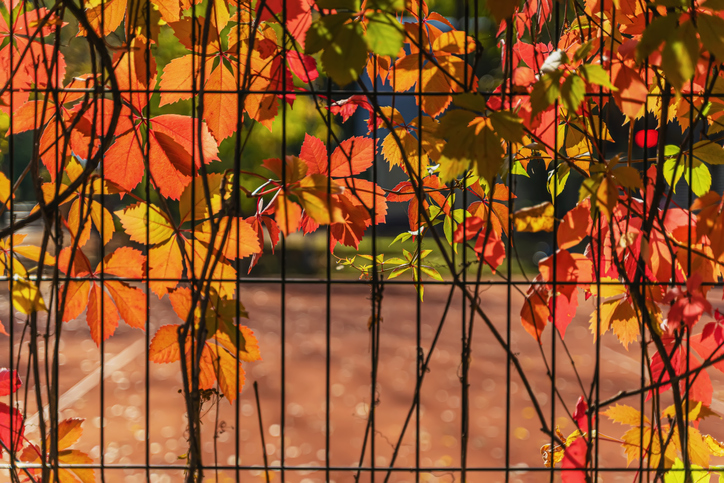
(342,241)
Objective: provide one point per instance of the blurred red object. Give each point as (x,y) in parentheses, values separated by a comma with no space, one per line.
(647,138)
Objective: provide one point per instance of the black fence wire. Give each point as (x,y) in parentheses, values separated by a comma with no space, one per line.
(287,324)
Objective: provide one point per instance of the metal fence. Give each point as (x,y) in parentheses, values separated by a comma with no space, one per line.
(124,212)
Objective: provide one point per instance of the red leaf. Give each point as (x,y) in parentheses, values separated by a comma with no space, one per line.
(534,313)
(303,66)
(352,156)
(124,161)
(11,438)
(9,382)
(468,229)
(347,107)
(579,415)
(314,153)
(574,458)
(493,252)
(575,226)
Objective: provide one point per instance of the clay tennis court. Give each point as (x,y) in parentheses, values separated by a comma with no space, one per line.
(350,372)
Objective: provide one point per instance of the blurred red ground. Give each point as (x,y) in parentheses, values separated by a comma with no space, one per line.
(350,365)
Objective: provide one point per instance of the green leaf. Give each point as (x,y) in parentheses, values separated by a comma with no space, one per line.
(573,92)
(448,230)
(716,5)
(700,178)
(711,31)
(709,152)
(596,74)
(385,35)
(660,29)
(471,102)
(677,474)
(508,125)
(352,5)
(672,177)
(545,92)
(558,182)
(343,42)
(583,50)
(671,150)
(479,144)
(431,272)
(680,55)
(386,5)
(397,272)
(402,238)
(450,169)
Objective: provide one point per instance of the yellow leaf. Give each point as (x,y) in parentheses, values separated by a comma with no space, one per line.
(606,309)
(135,220)
(651,445)
(33,253)
(69,431)
(85,475)
(103,221)
(240,241)
(625,323)
(228,369)
(5,188)
(698,450)
(609,287)
(200,204)
(622,414)
(26,296)
(535,218)
(715,447)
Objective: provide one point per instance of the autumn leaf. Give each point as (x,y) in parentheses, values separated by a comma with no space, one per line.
(113,300)
(535,218)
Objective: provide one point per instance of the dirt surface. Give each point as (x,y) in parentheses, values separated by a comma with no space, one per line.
(299,391)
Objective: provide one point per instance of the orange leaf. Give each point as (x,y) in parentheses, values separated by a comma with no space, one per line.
(245,342)
(534,313)
(227,369)
(575,226)
(131,302)
(123,162)
(314,154)
(181,302)
(165,262)
(103,221)
(241,240)
(352,156)
(184,131)
(76,299)
(81,265)
(79,223)
(169,164)
(288,215)
(69,431)
(125,262)
(164,345)
(220,110)
(177,80)
(222,271)
(94,317)
(632,91)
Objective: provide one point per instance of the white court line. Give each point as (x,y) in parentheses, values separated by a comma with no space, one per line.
(89,382)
